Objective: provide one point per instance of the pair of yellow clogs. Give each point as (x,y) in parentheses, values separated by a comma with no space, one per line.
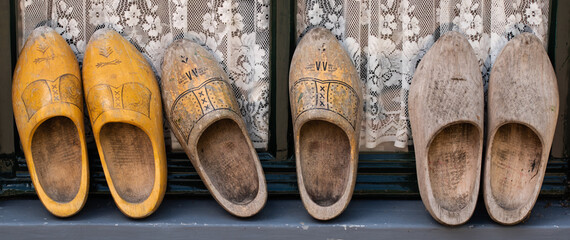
(446,104)
(124,103)
(123,100)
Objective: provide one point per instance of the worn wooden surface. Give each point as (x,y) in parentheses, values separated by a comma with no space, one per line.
(326,107)
(446,115)
(204,116)
(47,100)
(522,115)
(326,174)
(129,158)
(56,155)
(125,110)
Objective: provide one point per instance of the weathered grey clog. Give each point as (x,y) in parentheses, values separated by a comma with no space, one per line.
(446,113)
(522,115)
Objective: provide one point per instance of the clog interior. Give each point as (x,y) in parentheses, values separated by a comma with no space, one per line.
(56,153)
(516,154)
(452,158)
(228,161)
(325,161)
(129,157)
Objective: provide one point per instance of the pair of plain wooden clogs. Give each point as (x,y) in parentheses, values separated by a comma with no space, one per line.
(446,106)
(124,103)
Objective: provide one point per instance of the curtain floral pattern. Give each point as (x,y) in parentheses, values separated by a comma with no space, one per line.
(386,39)
(235,31)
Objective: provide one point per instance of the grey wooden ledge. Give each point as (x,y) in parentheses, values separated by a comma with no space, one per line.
(191,218)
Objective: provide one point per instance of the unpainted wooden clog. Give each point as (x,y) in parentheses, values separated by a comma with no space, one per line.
(205,118)
(522,115)
(125,110)
(326,106)
(446,115)
(47,98)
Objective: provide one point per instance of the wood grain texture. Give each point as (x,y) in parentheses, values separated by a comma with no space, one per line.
(130,162)
(204,116)
(326,106)
(56,149)
(446,115)
(451,160)
(125,110)
(325,161)
(523,110)
(47,100)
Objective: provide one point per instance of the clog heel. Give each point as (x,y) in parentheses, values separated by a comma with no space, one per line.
(326,106)
(523,109)
(205,118)
(47,98)
(125,110)
(446,115)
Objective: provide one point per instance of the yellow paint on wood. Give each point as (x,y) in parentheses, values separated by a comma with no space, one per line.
(47,99)
(326,107)
(125,110)
(205,118)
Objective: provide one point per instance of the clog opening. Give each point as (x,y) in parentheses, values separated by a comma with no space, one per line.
(453,155)
(56,153)
(325,161)
(227,159)
(516,153)
(129,157)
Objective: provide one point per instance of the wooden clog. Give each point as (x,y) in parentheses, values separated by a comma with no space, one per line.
(48,107)
(446,114)
(205,118)
(522,115)
(125,110)
(326,105)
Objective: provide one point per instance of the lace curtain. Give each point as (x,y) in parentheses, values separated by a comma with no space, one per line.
(386,39)
(235,31)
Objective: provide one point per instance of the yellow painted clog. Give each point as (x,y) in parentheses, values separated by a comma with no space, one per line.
(123,100)
(48,107)
(326,106)
(205,118)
